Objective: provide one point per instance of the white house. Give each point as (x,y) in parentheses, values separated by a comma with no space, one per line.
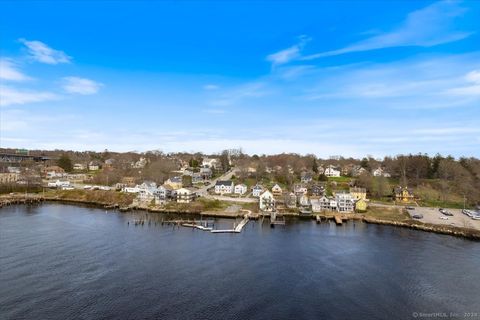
(267,201)
(59,184)
(224,186)
(93,166)
(135,189)
(78,166)
(300,189)
(257,190)
(379,172)
(209,163)
(240,189)
(185,195)
(345,202)
(332,172)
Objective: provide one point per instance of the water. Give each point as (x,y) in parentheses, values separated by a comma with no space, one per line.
(69,262)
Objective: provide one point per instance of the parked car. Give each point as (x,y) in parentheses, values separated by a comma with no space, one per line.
(417,216)
(410,208)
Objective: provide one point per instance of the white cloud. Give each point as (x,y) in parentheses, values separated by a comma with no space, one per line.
(211,87)
(76,85)
(214,111)
(40,52)
(430,26)
(11,96)
(289,54)
(471,89)
(10,72)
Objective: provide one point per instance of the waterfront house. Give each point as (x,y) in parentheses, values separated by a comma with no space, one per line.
(277,190)
(240,189)
(361,205)
(257,190)
(224,186)
(403,194)
(304,201)
(300,189)
(185,195)
(163,194)
(332,172)
(291,200)
(317,190)
(358,193)
(174,182)
(267,202)
(345,201)
(316,205)
(323,204)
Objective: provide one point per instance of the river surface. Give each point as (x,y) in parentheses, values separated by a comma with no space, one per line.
(71,262)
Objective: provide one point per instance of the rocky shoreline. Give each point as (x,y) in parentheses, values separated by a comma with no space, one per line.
(471,234)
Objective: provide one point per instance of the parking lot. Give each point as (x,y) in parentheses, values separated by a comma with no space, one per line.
(433,215)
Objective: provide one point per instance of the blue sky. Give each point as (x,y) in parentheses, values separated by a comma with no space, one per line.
(328,78)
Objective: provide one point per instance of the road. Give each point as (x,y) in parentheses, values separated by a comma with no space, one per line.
(226,176)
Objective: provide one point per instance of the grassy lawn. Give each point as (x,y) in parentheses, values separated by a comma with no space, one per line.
(340,179)
(394,214)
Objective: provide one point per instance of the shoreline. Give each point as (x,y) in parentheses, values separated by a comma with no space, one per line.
(470,234)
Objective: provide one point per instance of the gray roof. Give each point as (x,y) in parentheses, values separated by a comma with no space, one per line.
(224,183)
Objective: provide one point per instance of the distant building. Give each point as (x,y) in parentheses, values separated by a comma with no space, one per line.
(257,190)
(211,163)
(345,202)
(277,190)
(291,200)
(174,182)
(379,172)
(206,173)
(240,189)
(54,172)
(94,166)
(306,177)
(185,195)
(332,172)
(403,194)
(361,205)
(224,186)
(78,166)
(197,177)
(358,193)
(300,189)
(317,190)
(267,202)
(8,177)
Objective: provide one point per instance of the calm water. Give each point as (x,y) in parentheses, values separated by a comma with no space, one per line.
(68,262)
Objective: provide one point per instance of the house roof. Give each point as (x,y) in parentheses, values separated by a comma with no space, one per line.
(224,183)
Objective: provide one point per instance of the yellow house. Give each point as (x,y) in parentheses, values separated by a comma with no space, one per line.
(358,193)
(277,190)
(404,194)
(361,205)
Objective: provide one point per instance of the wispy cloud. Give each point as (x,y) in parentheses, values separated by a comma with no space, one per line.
(430,26)
(11,96)
(214,111)
(471,89)
(76,85)
(289,54)
(10,72)
(250,90)
(211,87)
(41,52)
